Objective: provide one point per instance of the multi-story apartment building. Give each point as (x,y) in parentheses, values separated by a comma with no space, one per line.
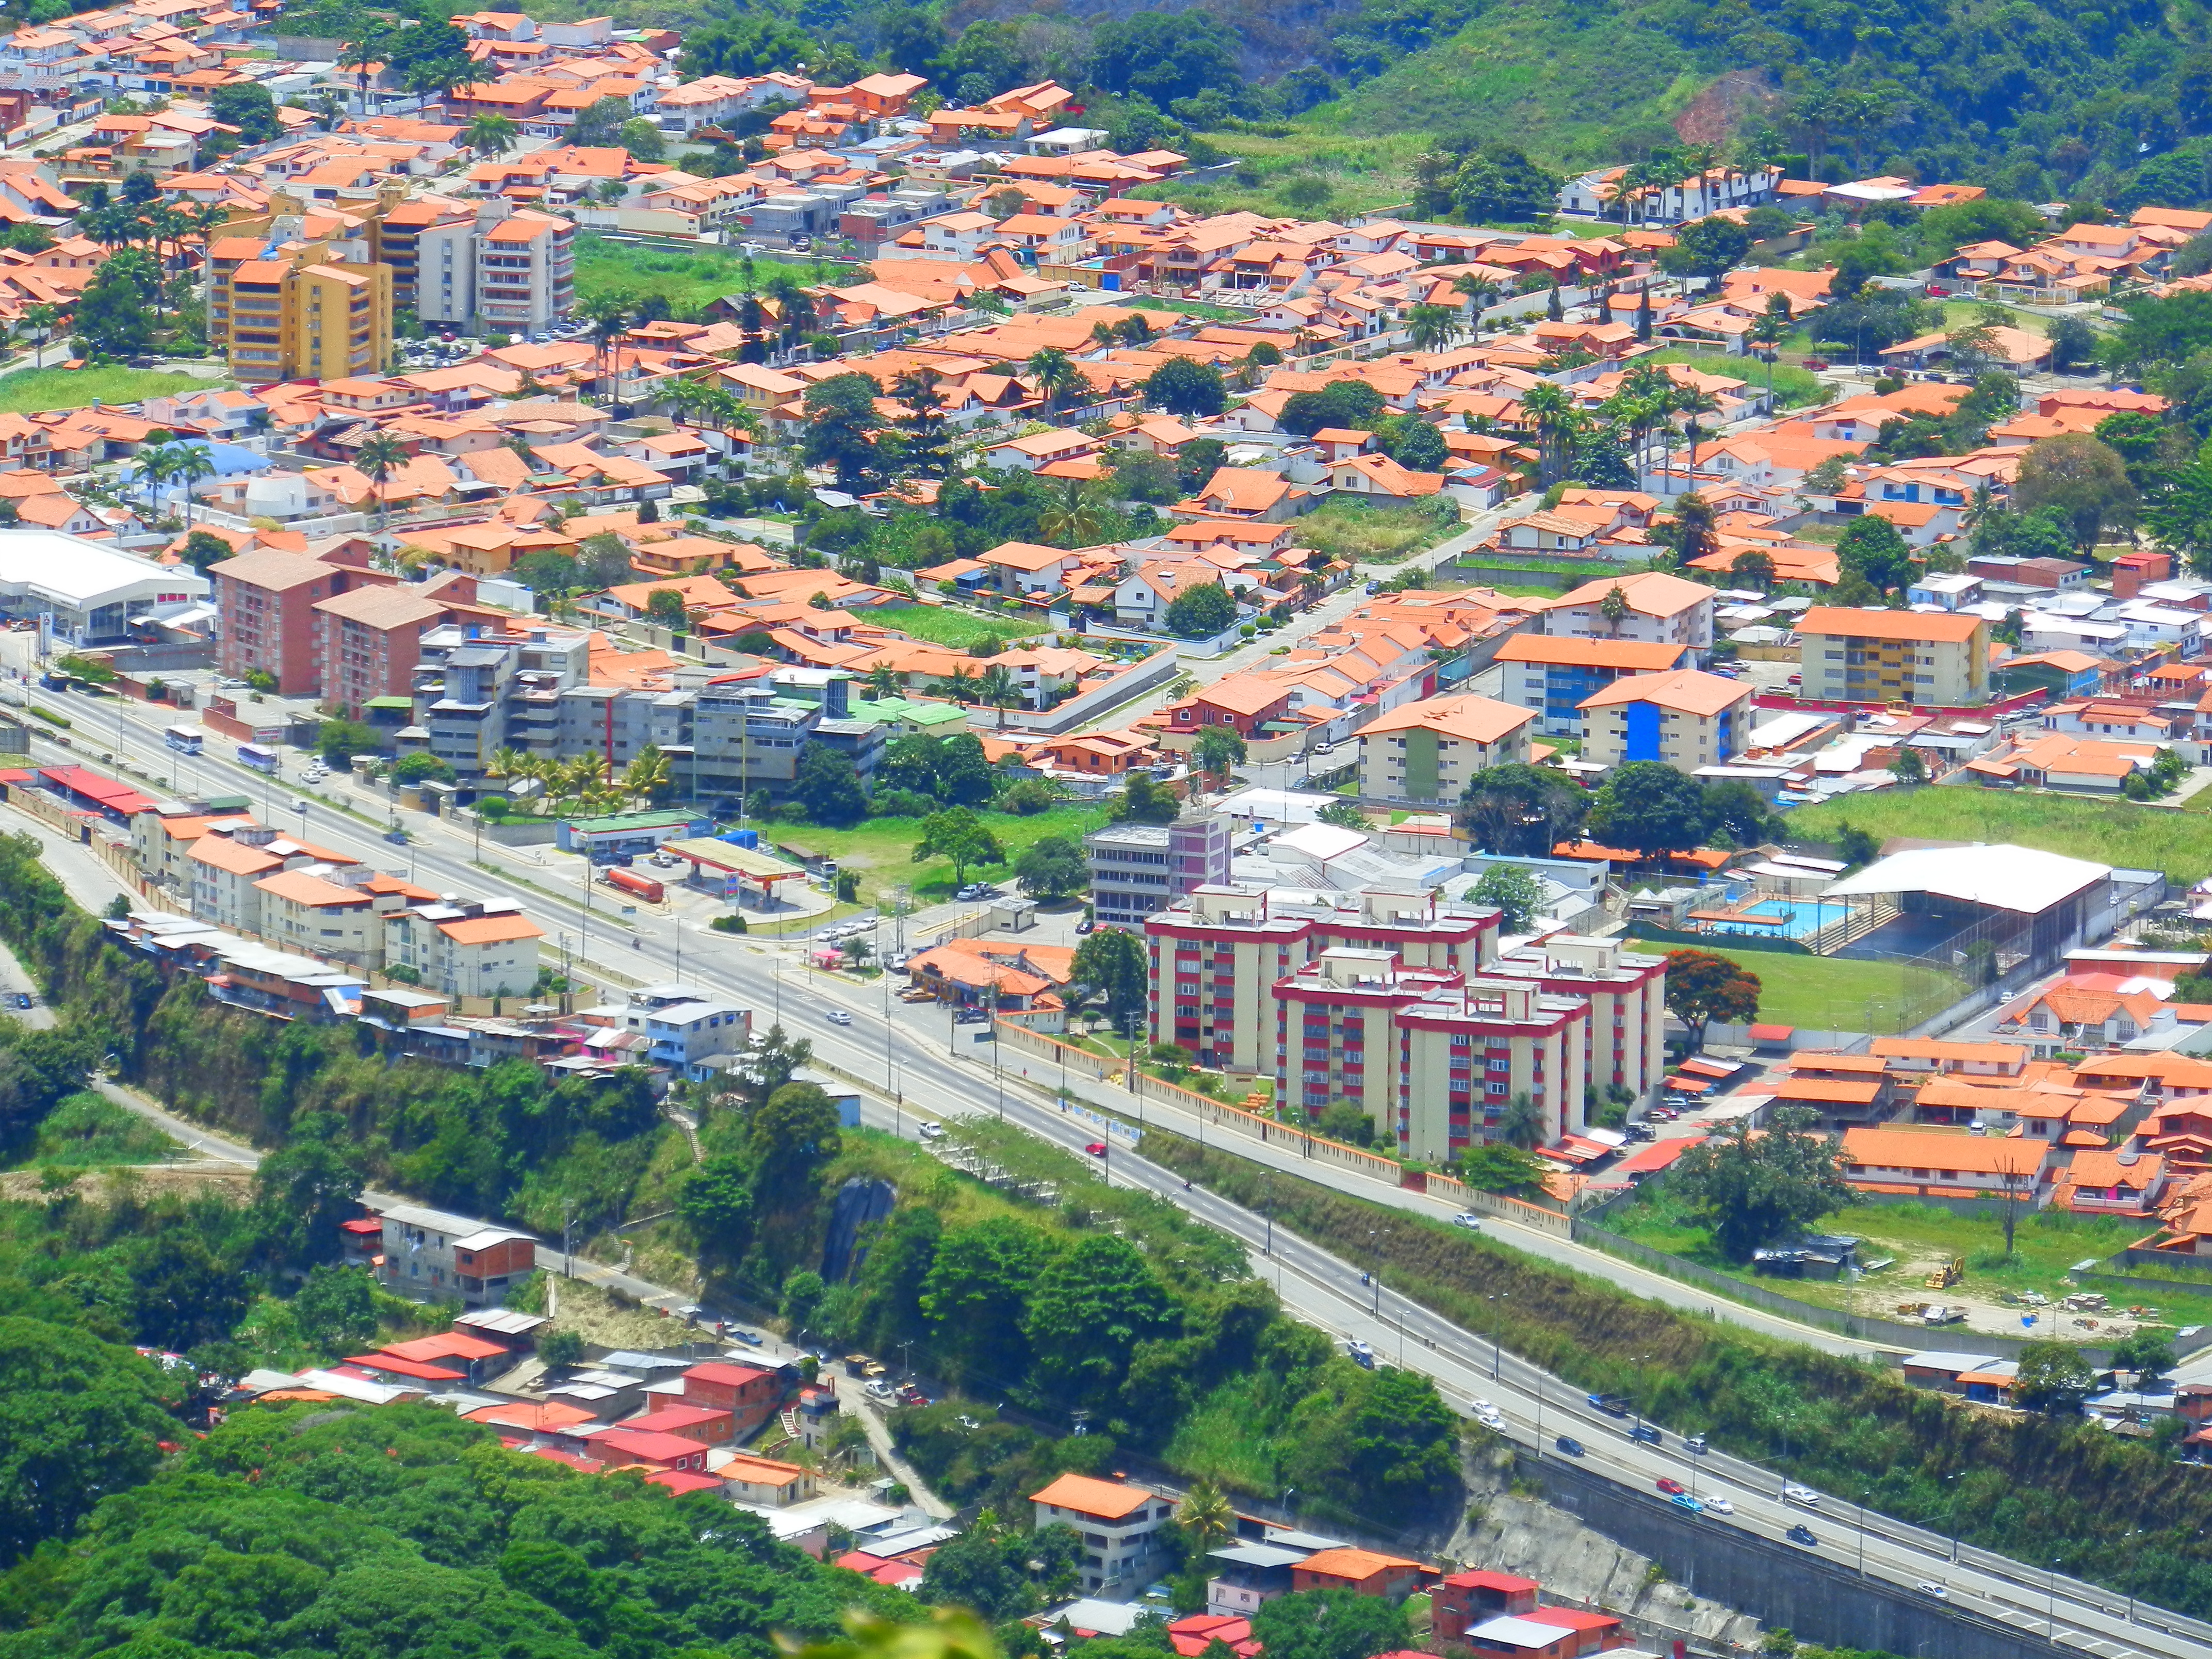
(1230,963)
(1551,675)
(466,947)
(419,238)
(1428,752)
(230,859)
(1432,1057)
(327,911)
(1625,1034)
(266,600)
(1139,869)
(1217,955)
(1685,719)
(1654,607)
(686,1029)
(368,642)
(1120,1526)
(526,272)
(1847,655)
(282,308)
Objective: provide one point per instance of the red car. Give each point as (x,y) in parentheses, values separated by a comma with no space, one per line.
(1096,1149)
(1671,1486)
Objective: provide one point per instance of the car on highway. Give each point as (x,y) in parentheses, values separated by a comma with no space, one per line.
(929,1131)
(1930,1587)
(396,837)
(838,1016)
(1695,1445)
(1468,1219)
(1671,1486)
(1485,1408)
(1360,1354)
(1682,1500)
(1567,1445)
(1613,1405)
(1801,1533)
(1794,1494)
(1096,1149)
(1720,1505)
(1645,1433)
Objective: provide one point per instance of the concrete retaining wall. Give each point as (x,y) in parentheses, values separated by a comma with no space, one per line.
(1815,1593)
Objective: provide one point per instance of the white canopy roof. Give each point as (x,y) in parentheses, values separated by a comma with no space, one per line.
(2002,877)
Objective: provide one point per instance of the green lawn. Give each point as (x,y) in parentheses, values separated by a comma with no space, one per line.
(1919,1236)
(956,630)
(882,849)
(1793,387)
(687,279)
(31,391)
(1835,993)
(1376,535)
(2109,832)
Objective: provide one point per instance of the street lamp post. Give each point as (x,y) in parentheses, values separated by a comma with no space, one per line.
(1495,1350)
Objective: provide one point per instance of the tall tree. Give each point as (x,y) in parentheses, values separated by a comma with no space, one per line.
(1703,986)
(1756,1188)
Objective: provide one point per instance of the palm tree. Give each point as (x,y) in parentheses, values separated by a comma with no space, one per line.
(1431,327)
(360,54)
(490,136)
(193,463)
(647,775)
(1074,518)
(156,464)
(1694,401)
(1055,374)
(1480,293)
(40,321)
(1206,1516)
(1767,332)
(1551,414)
(380,455)
(997,690)
(960,686)
(609,314)
(882,681)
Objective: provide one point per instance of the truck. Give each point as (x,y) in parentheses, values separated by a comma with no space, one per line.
(1613,1405)
(629,881)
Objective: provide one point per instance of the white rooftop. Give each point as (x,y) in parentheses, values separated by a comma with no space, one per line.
(83,575)
(2004,877)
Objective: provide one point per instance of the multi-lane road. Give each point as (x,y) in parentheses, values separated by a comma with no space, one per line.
(910,1074)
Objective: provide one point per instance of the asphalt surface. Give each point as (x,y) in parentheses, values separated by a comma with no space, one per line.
(909,1076)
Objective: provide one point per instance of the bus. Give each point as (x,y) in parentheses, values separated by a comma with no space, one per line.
(185,739)
(255,756)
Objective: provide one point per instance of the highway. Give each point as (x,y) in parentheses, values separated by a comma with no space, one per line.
(909,1071)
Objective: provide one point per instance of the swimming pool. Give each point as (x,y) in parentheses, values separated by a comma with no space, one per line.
(1791,918)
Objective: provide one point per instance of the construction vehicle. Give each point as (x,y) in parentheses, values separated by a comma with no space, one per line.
(1949,1274)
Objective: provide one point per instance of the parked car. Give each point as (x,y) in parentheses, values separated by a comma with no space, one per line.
(881,1389)
(1468,1219)
(750,1339)
(1670,1486)
(1801,1533)
(1793,1493)
(1568,1445)
(22,998)
(1085,925)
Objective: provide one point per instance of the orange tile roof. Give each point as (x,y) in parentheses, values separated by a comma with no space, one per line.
(1109,1500)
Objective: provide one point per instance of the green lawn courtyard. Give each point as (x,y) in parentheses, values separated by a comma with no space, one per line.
(1837,993)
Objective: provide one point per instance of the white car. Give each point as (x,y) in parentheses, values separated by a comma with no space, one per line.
(1720,1506)
(929,1131)
(838,1016)
(1930,1587)
(1484,1408)
(1796,1494)
(1468,1219)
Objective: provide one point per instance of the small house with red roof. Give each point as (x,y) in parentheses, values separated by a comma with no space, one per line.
(747,1393)
(1369,1572)
(1464,1599)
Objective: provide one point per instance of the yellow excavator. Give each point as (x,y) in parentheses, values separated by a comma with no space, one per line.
(1948,1275)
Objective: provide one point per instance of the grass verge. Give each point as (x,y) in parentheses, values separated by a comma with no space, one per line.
(2108,832)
